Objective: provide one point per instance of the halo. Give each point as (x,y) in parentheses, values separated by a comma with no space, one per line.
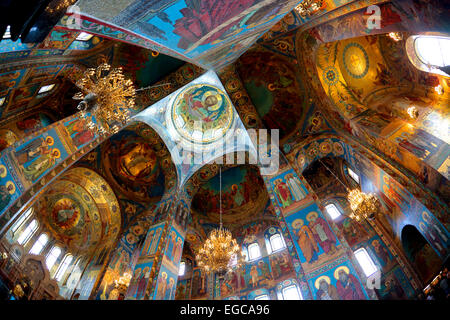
(58,153)
(2,175)
(336,272)
(219,100)
(49,140)
(317,282)
(297,223)
(13,190)
(312,213)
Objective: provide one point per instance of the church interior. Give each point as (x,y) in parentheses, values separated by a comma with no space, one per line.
(224,150)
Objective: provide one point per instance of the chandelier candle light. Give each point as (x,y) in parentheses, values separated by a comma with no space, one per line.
(363,205)
(220,248)
(106,97)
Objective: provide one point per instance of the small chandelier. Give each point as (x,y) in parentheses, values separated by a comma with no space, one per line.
(364,206)
(107,98)
(308,7)
(220,249)
(123,282)
(413,112)
(396,36)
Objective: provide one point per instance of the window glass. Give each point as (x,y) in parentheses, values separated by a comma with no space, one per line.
(7,34)
(332,211)
(182,268)
(291,293)
(52,257)
(28,232)
(365,262)
(253,251)
(21,220)
(433,51)
(45,89)
(276,242)
(62,269)
(83,36)
(39,244)
(353,175)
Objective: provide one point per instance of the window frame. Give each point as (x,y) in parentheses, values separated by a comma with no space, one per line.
(30,234)
(22,220)
(37,241)
(333,205)
(352,175)
(182,263)
(420,55)
(256,245)
(415,57)
(64,265)
(291,286)
(50,254)
(283,245)
(84,36)
(370,260)
(46,89)
(259,297)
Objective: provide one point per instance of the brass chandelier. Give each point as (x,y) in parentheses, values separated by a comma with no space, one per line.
(217,253)
(107,98)
(308,7)
(364,206)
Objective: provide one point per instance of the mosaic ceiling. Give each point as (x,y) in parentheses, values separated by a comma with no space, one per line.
(243,195)
(192,30)
(80,210)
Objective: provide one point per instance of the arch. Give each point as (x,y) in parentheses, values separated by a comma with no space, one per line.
(420,253)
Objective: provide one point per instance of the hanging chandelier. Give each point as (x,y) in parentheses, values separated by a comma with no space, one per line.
(363,205)
(107,98)
(220,249)
(309,7)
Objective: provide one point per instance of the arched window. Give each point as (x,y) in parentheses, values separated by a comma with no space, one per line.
(53,256)
(262,297)
(366,262)
(44,90)
(182,268)
(291,293)
(276,242)
(434,51)
(428,53)
(83,36)
(39,244)
(254,252)
(63,267)
(28,232)
(333,211)
(353,175)
(23,218)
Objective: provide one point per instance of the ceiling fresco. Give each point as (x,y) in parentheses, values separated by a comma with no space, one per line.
(190,28)
(274,88)
(80,210)
(243,194)
(133,167)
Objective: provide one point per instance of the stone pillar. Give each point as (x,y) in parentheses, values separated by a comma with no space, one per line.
(315,245)
(156,272)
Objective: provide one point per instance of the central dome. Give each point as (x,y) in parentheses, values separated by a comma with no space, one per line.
(202,114)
